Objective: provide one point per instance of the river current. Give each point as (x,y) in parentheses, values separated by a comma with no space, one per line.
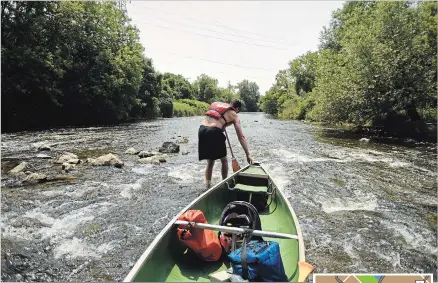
(363,207)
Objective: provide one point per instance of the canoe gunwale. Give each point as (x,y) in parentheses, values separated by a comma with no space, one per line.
(153,245)
(302,256)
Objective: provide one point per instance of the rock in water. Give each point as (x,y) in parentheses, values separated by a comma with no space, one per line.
(43,156)
(364,140)
(169,147)
(184,140)
(68,167)
(41,146)
(107,160)
(132,151)
(68,157)
(35,178)
(19,168)
(146,153)
(156,159)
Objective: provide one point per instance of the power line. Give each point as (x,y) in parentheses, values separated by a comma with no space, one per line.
(218,25)
(212,30)
(218,72)
(217,62)
(204,35)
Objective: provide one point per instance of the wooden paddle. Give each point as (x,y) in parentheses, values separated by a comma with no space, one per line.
(234,163)
(304,270)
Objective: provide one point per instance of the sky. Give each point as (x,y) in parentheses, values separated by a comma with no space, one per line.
(229,40)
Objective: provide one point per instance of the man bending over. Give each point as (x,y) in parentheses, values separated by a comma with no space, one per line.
(211,137)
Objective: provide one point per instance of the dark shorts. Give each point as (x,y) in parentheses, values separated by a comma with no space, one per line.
(211,143)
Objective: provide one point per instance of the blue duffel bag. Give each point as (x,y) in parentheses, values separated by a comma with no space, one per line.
(262,262)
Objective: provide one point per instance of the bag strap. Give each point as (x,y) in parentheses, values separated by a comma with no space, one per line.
(189,226)
(246,236)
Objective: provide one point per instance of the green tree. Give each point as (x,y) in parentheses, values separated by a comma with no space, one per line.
(147,104)
(64,58)
(249,93)
(206,88)
(177,87)
(32,66)
(302,71)
(382,70)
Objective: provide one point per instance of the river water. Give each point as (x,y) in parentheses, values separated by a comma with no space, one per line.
(363,207)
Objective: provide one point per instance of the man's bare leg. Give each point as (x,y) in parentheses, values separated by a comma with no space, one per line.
(209,173)
(224,171)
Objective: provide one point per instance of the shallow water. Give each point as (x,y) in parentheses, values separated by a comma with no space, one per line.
(363,207)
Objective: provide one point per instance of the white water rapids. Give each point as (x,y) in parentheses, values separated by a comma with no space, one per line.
(363,207)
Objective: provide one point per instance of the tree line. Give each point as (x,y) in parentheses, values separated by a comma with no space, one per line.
(376,66)
(81,63)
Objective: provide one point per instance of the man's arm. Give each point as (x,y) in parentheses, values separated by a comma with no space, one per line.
(240,136)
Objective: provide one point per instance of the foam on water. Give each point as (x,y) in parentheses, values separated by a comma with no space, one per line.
(58,228)
(416,236)
(74,248)
(143,169)
(40,216)
(278,174)
(370,156)
(79,192)
(9,231)
(398,164)
(341,155)
(52,193)
(187,173)
(66,226)
(388,258)
(126,189)
(360,202)
(289,156)
(351,250)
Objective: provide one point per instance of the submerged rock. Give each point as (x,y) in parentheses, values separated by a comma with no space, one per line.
(19,168)
(183,140)
(35,178)
(156,159)
(43,156)
(147,153)
(41,146)
(68,167)
(106,160)
(169,147)
(132,151)
(68,157)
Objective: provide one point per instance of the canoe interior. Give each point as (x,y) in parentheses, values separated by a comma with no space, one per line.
(170,261)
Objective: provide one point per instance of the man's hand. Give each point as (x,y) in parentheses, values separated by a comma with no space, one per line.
(249,159)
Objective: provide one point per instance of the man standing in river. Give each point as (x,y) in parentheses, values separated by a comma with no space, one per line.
(211,137)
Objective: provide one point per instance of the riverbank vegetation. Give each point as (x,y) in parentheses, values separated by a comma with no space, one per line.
(80,63)
(375,68)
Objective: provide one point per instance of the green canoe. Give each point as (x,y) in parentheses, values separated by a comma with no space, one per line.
(166,259)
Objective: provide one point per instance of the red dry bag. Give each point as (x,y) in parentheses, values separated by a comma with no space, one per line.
(205,243)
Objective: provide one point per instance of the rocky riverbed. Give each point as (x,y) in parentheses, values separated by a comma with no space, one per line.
(84,203)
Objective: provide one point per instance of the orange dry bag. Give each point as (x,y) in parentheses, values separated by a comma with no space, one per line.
(205,243)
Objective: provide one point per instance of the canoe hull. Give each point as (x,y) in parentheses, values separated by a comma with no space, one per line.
(166,259)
